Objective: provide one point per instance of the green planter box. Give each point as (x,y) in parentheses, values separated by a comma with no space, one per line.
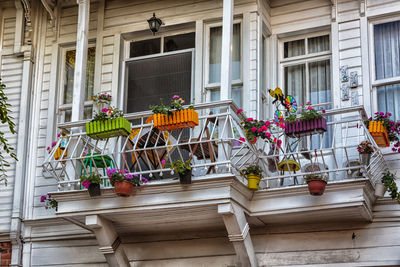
(110,128)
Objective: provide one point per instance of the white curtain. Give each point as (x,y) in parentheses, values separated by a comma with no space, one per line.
(387,65)
(215,54)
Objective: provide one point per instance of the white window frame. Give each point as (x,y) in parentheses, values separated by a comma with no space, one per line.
(304,59)
(209,87)
(374,82)
(61,107)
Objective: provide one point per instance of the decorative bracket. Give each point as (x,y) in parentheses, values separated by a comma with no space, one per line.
(334,10)
(50,6)
(362,8)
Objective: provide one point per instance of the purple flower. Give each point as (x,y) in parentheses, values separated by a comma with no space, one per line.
(144,180)
(163,162)
(86,184)
(110,172)
(135,174)
(129,176)
(394,149)
(43,198)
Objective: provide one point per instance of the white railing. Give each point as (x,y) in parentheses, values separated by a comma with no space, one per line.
(215,149)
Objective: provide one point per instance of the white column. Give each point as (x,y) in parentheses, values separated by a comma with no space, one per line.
(226,55)
(80,60)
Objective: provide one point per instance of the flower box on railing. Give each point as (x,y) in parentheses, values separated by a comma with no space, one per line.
(178,120)
(108,128)
(306,127)
(379,133)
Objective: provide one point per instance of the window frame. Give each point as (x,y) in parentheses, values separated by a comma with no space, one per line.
(304,59)
(61,107)
(381,82)
(210,87)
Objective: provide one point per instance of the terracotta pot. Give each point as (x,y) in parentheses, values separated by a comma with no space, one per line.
(123,188)
(185,178)
(253,181)
(316,187)
(94,190)
(380,190)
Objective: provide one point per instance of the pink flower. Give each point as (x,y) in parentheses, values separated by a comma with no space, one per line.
(163,162)
(42,198)
(389,114)
(104,110)
(324,111)
(267,123)
(249,119)
(308,103)
(279,142)
(310,108)
(86,184)
(263,128)
(53,143)
(175,96)
(394,149)
(239,111)
(253,141)
(48,148)
(144,180)
(59,135)
(254,129)
(268,135)
(241,139)
(129,176)
(135,174)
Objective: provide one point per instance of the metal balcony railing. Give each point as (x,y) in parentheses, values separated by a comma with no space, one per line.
(214,149)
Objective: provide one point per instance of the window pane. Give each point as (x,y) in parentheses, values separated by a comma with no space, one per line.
(318,44)
(389,100)
(69,74)
(387,50)
(320,81)
(179,42)
(215,53)
(236,95)
(294,48)
(87,114)
(295,82)
(145,47)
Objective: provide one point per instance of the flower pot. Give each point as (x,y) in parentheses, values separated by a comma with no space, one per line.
(185,178)
(380,190)
(123,188)
(316,187)
(59,152)
(379,133)
(305,127)
(178,120)
(365,158)
(94,190)
(253,181)
(109,128)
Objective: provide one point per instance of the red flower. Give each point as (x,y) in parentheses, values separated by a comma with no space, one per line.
(239,111)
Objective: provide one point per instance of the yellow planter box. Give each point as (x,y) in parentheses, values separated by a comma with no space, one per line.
(178,120)
(379,133)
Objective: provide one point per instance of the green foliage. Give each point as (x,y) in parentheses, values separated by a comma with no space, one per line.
(109,113)
(389,180)
(176,104)
(179,166)
(5,147)
(252,169)
(93,178)
(313,176)
(307,113)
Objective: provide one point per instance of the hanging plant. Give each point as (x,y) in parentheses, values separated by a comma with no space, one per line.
(310,121)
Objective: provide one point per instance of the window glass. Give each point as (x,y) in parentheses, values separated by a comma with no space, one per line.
(69,74)
(215,54)
(145,47)
(294,48)
(295,82)
(236,95)
(179,42)
(318,44)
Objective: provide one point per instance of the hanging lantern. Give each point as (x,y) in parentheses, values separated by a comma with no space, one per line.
(154,23)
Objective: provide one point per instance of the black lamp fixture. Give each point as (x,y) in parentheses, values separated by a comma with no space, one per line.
(154,23)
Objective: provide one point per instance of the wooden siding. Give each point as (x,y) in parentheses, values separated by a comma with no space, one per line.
(11,75)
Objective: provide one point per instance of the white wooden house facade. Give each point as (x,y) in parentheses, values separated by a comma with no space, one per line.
(54,54)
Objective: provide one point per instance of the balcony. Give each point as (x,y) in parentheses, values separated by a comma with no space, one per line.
(217,158)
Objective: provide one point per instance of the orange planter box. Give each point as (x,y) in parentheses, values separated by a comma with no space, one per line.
(178,120)
(379,133)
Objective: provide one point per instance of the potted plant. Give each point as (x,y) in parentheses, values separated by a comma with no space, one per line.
(108,122)
(174,116)
(184,170)
(123,181)
(92,184)
(309,122)
(253,175)
(101,99)
(365,149)
(388,184)
(316,183)
(384,130)
(49,202)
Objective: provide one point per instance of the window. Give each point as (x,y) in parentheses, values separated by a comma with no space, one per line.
(387,67)
(213,72)
(307,69)
(67,85)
